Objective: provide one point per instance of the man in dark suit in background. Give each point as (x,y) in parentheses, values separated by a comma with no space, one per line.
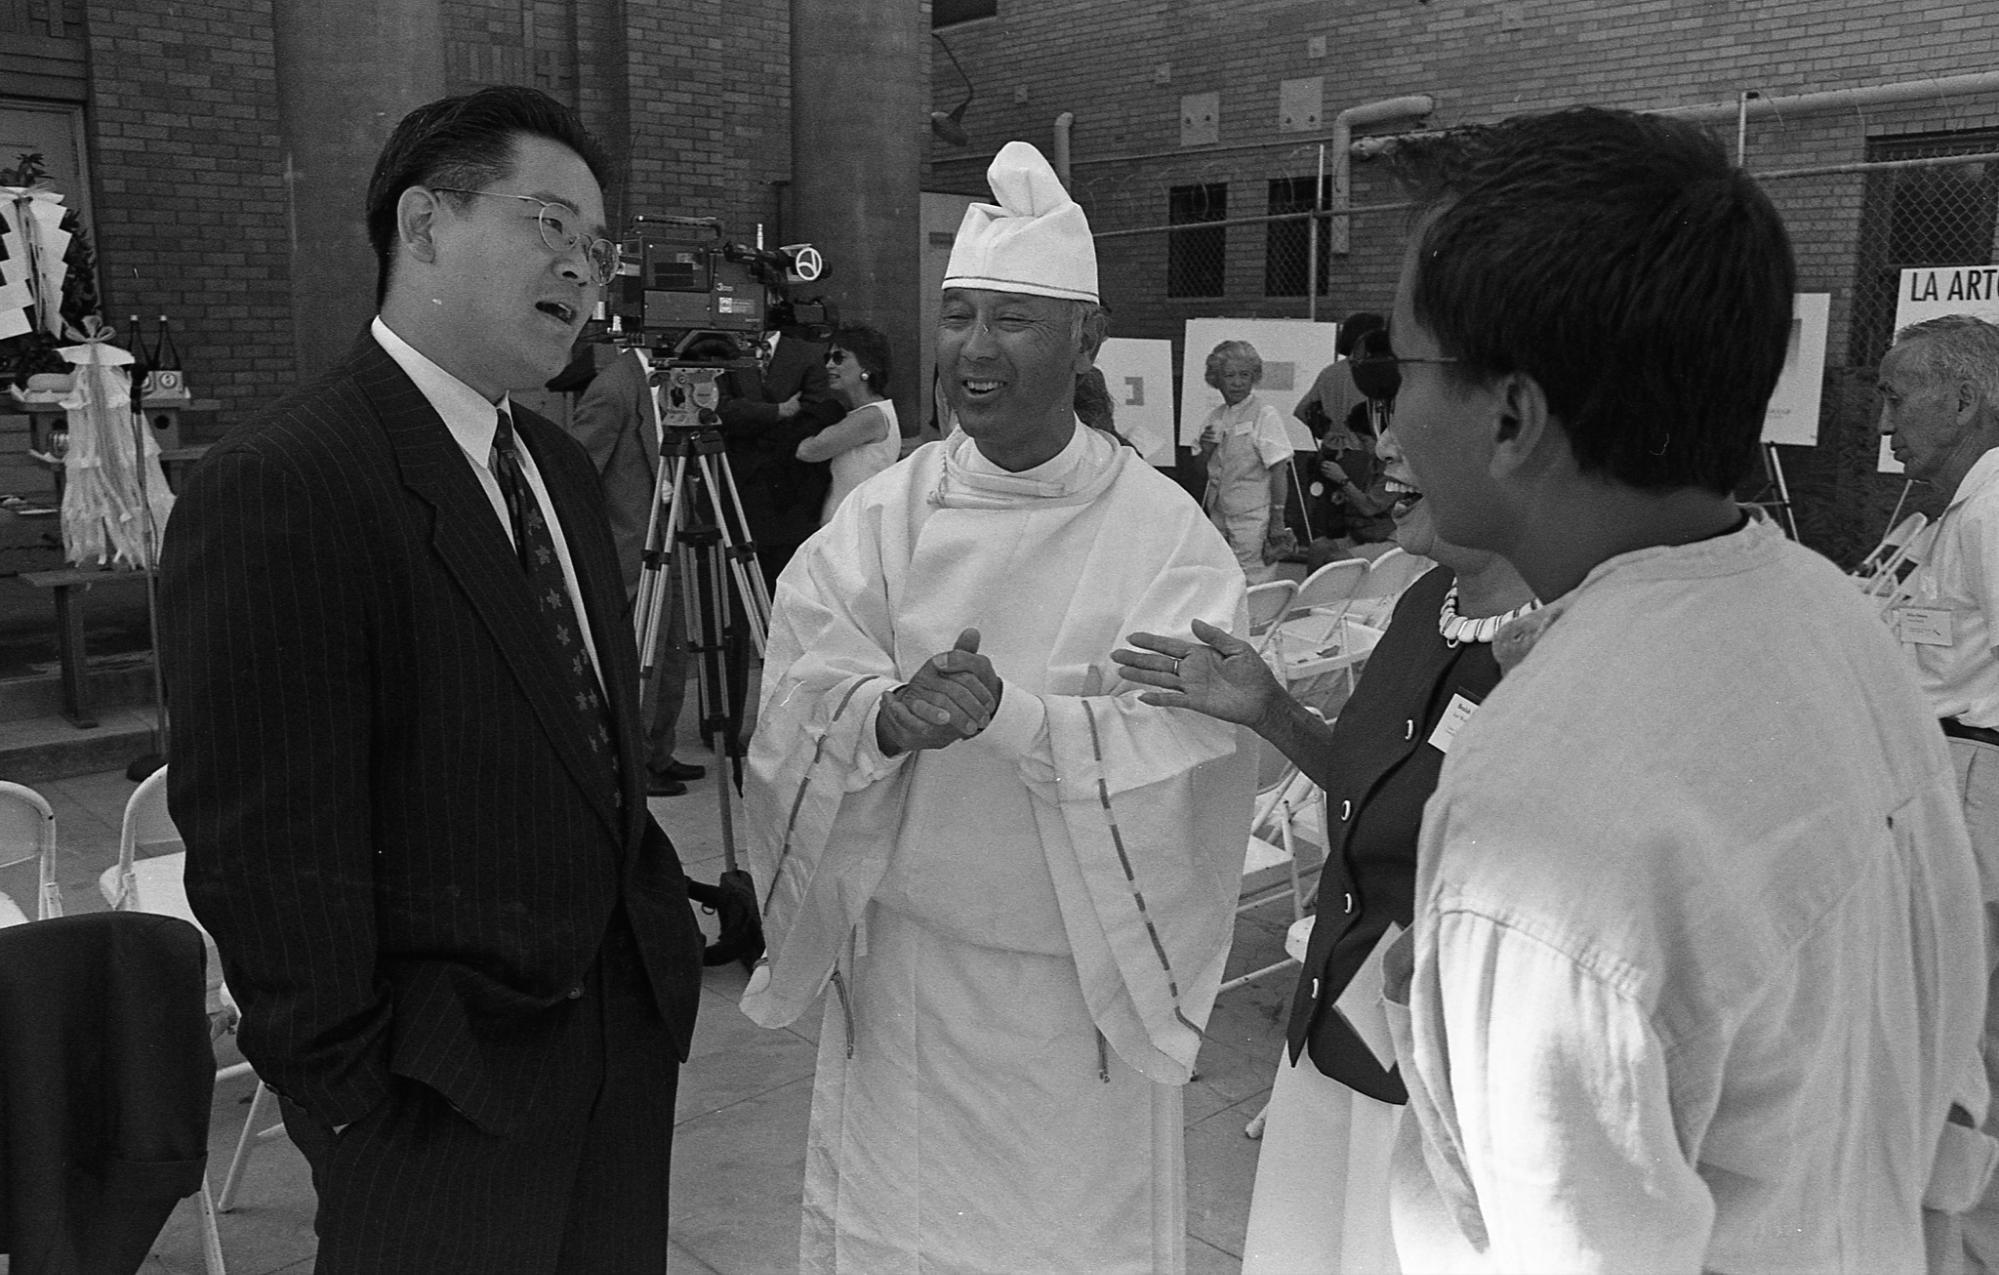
(764,419)
(407,760)
(617,421)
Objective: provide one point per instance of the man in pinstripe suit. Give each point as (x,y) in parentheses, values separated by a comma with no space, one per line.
(407,755)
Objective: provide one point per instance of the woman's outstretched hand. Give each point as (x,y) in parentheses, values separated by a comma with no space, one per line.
(1219,675)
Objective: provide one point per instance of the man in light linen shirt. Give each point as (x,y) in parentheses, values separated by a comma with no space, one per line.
(1012,881)
(1696,974)
(1939,390)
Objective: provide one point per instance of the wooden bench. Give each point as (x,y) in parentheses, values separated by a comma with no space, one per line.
(69,631)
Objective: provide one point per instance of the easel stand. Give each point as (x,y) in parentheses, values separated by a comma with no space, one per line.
(697,512)
(1774,485)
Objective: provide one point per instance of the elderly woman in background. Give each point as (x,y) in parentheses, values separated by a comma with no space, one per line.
(1248,458)
(1321,1197)
(866,440)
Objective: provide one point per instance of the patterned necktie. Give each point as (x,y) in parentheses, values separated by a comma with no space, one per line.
(536,548)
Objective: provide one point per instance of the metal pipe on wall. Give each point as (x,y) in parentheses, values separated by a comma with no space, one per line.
(1058,157)
(1755,106)
(1341,146)
(859,85)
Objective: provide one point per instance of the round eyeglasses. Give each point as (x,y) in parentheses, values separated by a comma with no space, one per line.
(1377,368)
(555,232)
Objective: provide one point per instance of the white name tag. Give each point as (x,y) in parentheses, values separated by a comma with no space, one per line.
(1924,626)
(1451,723)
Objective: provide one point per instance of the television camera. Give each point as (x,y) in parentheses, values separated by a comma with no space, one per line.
(700,306)
(681,285)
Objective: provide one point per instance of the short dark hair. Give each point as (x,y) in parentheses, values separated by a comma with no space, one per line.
(466,141)
(1358,325)
(870,347)
(1621,261)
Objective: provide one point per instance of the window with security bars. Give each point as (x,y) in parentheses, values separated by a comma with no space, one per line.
(1933,216)
(1287,245)
(1197,257)
(949,13)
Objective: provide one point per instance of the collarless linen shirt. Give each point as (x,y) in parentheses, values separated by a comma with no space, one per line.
(1696,969)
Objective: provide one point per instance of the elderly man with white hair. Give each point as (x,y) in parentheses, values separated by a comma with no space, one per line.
(1013,882)
(1939,388)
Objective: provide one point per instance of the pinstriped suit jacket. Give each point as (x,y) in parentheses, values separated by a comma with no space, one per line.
(393,831)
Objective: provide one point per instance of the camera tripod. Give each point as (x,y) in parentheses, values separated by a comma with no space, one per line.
(697,513)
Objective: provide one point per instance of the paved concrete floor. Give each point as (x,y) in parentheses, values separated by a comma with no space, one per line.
(739,1145)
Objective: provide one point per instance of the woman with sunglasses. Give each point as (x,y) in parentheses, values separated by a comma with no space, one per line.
(1320,1202)
(866,440)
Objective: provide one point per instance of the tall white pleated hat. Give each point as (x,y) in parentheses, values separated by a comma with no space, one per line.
(1035,240)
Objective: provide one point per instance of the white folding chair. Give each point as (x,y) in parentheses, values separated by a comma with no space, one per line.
(1269,603)
(1885,573)
(1331,585)
(154,884)
(1286,828)
(1387,576)
(28,827)
(1893,542)
(1316,610)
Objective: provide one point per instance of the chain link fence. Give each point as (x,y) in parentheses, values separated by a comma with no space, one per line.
(1246,233)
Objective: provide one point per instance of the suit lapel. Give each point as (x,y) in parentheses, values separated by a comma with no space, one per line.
(473,549)
(648,419)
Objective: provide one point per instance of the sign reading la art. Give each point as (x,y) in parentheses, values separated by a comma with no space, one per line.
(1949,285)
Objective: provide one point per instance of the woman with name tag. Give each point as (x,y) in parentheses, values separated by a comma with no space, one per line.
(1321,1196)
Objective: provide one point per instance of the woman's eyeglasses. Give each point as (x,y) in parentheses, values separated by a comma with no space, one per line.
(835,358)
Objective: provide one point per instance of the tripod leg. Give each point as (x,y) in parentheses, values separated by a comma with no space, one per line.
(750,583)
(652,571)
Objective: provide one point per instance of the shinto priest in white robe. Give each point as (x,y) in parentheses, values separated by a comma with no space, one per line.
(1023,933)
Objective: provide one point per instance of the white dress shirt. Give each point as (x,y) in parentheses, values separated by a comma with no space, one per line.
(473,421)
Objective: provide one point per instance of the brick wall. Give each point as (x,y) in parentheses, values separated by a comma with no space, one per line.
(190,197)
(692,95)
(1123,69)
(710,105)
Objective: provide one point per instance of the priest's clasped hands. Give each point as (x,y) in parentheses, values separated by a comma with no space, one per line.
(952,697)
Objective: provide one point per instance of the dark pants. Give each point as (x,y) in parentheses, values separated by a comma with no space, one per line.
(412,1188)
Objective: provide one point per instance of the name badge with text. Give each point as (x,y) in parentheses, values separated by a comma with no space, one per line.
(1451,723)
(1924,626)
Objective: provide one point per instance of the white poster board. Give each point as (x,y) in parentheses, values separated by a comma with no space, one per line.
(1792,416)
(1930,292)
(1293,351)
(1139,376)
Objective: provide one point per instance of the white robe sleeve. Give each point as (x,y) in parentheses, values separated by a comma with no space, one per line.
(1142,813)
(818,793)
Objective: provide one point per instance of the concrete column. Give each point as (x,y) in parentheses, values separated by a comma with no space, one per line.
(348,71)
(860,76)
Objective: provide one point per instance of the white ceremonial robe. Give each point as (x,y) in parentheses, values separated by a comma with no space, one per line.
(1025,931)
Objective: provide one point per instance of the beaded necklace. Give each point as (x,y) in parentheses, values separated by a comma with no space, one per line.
(1456,628)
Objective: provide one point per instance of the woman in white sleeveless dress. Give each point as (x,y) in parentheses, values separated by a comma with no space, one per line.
(866,440)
